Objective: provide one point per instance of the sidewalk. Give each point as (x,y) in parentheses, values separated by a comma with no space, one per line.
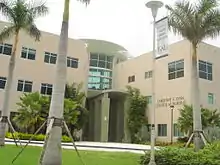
(95,146)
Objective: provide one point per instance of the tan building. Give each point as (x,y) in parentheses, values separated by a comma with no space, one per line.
(105,70)
(172,81)
(35,64)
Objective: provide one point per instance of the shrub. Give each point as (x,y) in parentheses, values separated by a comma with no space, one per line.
(210,155)
(39,137)
(183,139)
(174,144)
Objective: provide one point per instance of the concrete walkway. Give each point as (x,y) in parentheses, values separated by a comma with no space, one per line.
(95,146)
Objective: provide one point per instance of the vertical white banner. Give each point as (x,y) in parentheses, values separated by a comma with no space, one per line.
(162,37)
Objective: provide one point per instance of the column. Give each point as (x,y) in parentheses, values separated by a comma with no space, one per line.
(126,131)
(97,120)
(91,120)
(105,105)
(119,120)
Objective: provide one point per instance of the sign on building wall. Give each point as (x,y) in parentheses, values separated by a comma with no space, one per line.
(166,102)
(162,37)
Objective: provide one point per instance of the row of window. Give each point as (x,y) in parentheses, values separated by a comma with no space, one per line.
(162,130)
(176,70)
(30,54)
(100,72)
(26,86)
(101,60)
(99,83)
(100,79)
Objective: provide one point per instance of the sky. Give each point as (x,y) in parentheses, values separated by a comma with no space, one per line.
(125,22)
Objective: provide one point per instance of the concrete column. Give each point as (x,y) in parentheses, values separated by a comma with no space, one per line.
(126,131)
(119,120)
(105,105)
(83,130)
(91,120)
(97,120)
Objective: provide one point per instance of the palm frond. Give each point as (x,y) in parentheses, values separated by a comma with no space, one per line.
(181,18)
(6,9)
(195,22)
(206,5)
(33,31)
(85,1)
(211,24)
(7,32)
(38,9)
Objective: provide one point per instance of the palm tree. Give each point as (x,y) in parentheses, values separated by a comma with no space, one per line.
(195,22)
(51,154)
(32,111)
(22,16)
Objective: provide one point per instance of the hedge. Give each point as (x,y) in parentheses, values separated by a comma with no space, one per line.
(210,155)
(165,144)
(39,137)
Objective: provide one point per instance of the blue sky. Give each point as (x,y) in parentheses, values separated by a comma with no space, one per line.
(125,22)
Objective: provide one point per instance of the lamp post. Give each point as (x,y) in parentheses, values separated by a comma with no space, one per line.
(154,6)
(171,126)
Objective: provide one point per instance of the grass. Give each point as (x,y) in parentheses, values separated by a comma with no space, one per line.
(31,155)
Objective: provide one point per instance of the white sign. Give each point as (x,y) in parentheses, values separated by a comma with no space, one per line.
(162,37)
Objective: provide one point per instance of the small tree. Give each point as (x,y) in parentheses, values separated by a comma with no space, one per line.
(210,118)
(74,92)
(32,111)
(136,113)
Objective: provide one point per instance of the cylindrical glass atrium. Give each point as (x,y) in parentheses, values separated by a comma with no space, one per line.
(100,72)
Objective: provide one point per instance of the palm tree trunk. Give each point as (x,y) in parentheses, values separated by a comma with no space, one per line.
(197,122)
(52,152)
(5,110)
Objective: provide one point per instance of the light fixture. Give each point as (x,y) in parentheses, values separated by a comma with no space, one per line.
(154,6)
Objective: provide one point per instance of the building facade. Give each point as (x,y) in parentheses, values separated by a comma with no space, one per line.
(172,82)
(36,63)
(105,71)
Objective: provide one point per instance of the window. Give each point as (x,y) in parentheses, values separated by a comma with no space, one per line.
(131,79)
(28,53)
(2,82)
(205,70)
(72,62)
(210,98)
(101,60)
(149,99)
(148,74)
(24,86)
(177,132)
(162,129)
(99,83)
(176,69)
(100,79)
(6,49)
(50,58)
(46,89)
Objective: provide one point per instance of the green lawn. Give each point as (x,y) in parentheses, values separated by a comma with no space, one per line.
(31,156)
